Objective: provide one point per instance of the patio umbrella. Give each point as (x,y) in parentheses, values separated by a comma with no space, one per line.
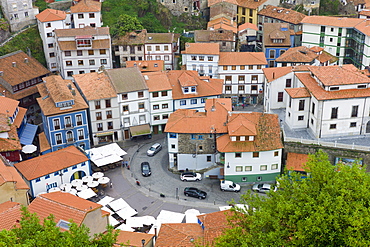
(103,180)
(81,187)
(29,149)
(76,182)
(72,191)
(97,175)
(86,194)
(92,184)
(87,179)
(66,187)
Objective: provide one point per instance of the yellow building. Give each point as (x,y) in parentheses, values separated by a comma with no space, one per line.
(248,9)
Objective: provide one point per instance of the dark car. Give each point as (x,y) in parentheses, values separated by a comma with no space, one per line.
(194,192)
(145,169)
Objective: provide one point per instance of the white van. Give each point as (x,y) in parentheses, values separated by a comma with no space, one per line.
(229,186)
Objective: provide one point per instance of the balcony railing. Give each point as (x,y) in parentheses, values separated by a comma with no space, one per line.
(68,126)
(70,140)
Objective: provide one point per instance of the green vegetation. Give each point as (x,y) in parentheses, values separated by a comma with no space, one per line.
(31,233)
(152,15)
(41,4)
(328,208)
(329,7)
(124,24)
(29,39)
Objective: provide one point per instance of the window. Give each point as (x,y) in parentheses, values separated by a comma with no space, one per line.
(254,87)
(155,107)
(209,158)
(300,118)
(92,62)
(156,117)
(58,138)
(103,51)
(79,119)
(301,105)
(228,78)
(313,108)
(250,67)
(280,97)
(238,168)
(67,53)
(50,45)
(70,73)
(166,47)
(353,124)
(330,39)
(354,111)
(182,102)
(97,104)
(80,62)
(68,63)
(98,116)
(164,93)
(210,58)
(47,176)
(241,88)
(173,135)
(56,124)
(107,103)
(79,53)
(238,155)
(164,106)
(333,126)
(248,168)
(124,96)
(99,126)
(203,100)
(157,48)
(49,35)
(288,83)
(263,167)
(224,67)
(80,16)
(140,94)
(110,125)
(259,66)
(241,78)
(276,153)
(103,61)
(272,54)
(274,166)
(91,15)
(109,114)
(155,95)
(141,105)
(51,54)
(74,167)
(193,101)
(165,116)
(67,122)
(254,77)
(256,154)
(125,108)
(233,67)
(91,52)
(166,58)
(227,88)
(334,112)
(38,180)
(200,137)
(201,58)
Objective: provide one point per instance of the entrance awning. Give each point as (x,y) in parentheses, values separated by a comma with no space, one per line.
(28,134)
(140,130)
(104,133)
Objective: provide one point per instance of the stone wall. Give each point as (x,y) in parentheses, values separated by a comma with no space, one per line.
(188,145)
(293,147)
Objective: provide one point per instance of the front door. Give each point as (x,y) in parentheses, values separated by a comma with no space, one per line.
(127,134)
(155,129)
(253,99)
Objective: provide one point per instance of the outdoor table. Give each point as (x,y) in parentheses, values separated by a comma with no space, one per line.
(76,182)
(97,175)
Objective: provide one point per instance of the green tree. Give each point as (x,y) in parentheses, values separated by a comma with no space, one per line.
(331,207)
(124,24)
(31,233)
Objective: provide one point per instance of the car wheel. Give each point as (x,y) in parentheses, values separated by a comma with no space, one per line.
(197,180)
(200,197)
(186,194)
(222,190)
(185,180)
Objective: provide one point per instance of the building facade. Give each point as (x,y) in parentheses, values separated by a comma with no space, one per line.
(86,13)
(19,13)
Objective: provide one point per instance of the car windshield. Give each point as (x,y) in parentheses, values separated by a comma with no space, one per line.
(145,167)
(234,185)
(152,148)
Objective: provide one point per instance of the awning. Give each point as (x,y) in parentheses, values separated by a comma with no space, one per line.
(84,37)
(140,130)
(28,134)
(106,155)
(104,133)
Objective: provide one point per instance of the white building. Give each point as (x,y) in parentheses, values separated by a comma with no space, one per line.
(47,21)
(242,75)
(82,50)
(162,46)
(160,99)
(202,57)
(86,13)
(48,172)
(19,13)
(133,101)
(99,93)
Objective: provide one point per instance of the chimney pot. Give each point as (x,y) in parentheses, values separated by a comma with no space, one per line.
(14,64)
(26,60)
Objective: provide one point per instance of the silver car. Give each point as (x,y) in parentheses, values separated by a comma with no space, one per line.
(155,148)
(262,188)
(190,176)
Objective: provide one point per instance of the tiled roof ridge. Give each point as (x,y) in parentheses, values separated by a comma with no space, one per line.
(256,57)
(66,205)
(11,54)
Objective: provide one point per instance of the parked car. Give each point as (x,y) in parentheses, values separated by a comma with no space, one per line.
(194,192)
(145,169)
(229,186)
(155,148)
(190,176)
(263,188)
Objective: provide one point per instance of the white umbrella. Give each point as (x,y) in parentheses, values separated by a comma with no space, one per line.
(97,175)
(54,189)
(73,191)
(66,187)
(86,194)
(103,180)
(81,187)
(87,179)
(76,182)
(105,200)
(29,149)
(92,184)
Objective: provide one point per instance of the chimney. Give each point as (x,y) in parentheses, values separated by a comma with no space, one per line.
(273,75)
(73,91)
(26,60)
(1,73)
(69,86)
(14,64)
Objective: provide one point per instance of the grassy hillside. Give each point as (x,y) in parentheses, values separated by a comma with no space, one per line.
(29,39)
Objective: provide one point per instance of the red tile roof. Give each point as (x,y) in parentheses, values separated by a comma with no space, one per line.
(44,143)
(49,163)
(8,174)
(300,54)
(157,81)
(86,6)
(64,206)
(299,92)
(179,234)
(223,23)
(11,143)
(286,15)
(268,135)
(202,48)
(10,214)
(296,162)
(332,21)
(134,238)
(247,25)
(273,31)
(146,65)
(242,58)
(49,15)
(251,4)
(95,86)
(272,74)
(213,2)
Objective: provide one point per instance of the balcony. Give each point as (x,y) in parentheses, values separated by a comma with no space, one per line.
(70,140)
(79,123)
(57,127)
(81,137)
(68,126)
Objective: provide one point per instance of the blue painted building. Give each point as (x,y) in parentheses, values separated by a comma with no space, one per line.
(64,114)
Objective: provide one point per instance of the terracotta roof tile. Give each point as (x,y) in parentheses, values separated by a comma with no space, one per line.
(202,48)
(223,23)
(20,116)
(242,58)
(64,206)
(364,26)
(50,162)
(241,126)
(55,89)
(327,57)
(86,6)
(134,238)
(296,162)
(250,4)
(133,38)
(268,134)
(10,174)
(160,38)
(272,74)
(316,49)
(11,143)
(286,15)
(24,69)
(339,75)
(44,143)
(213,2)
(276,31)
(213,35)
(96,44)
(49,15)
(300,54)
(365,12)
(10,214)
(72,32)
(182,121)
(146,65)
(157,81)
(332,21)
(299,92)
(179,234)
(8,105)
(204,88)
(246,26)
(95,86)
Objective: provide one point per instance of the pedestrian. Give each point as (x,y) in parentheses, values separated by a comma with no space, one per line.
(137,182)
(243,105)
(111,184)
